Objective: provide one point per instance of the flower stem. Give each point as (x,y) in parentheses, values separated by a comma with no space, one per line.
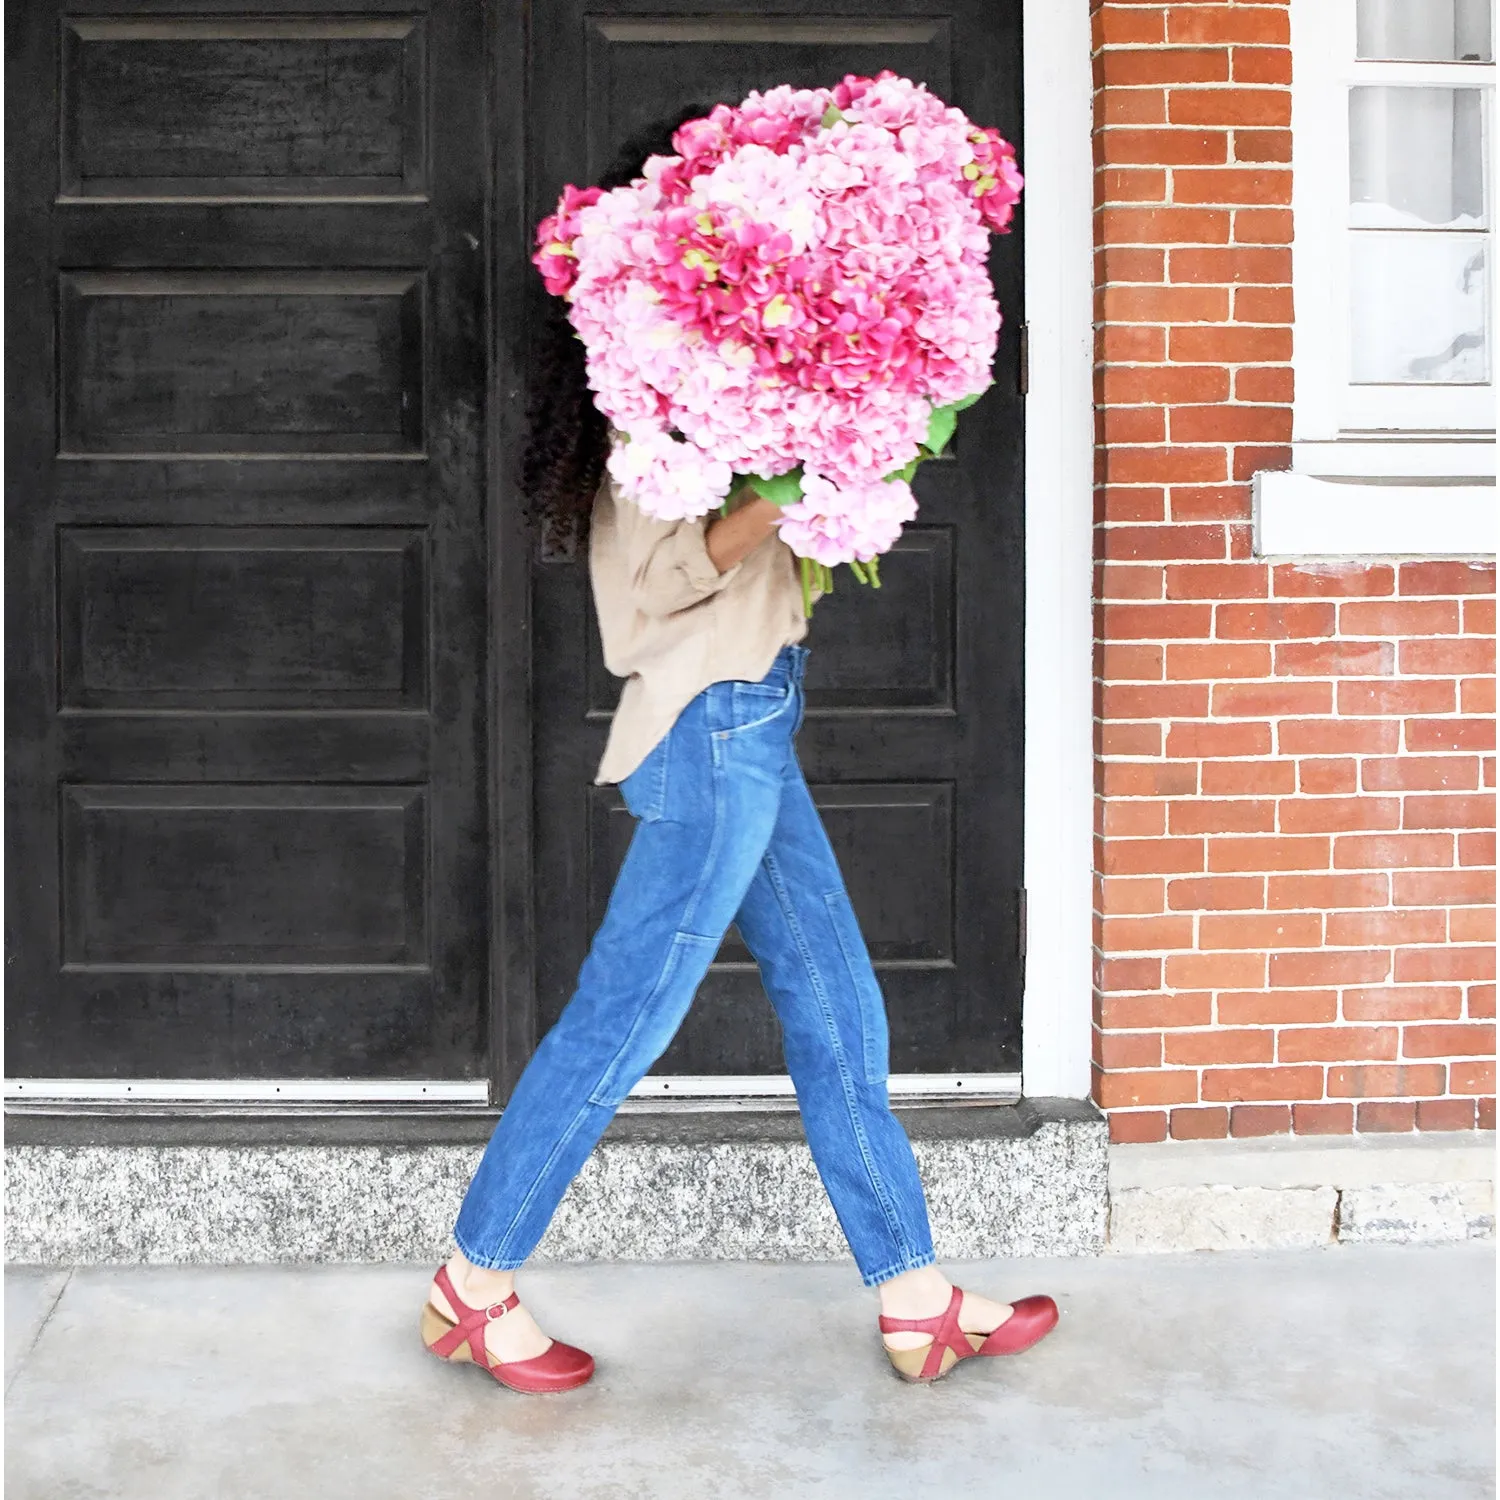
(857,568)
(807,566)
(874,567)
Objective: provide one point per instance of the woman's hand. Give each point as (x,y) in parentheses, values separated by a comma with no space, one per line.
(732,538)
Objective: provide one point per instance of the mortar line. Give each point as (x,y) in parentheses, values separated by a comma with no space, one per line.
(41,1329)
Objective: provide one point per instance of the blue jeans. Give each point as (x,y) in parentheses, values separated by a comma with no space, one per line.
(726,832)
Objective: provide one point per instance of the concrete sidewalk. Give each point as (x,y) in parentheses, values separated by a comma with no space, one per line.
(1358,1372)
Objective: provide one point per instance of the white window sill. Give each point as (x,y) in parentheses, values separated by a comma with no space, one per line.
(1397,457)
(1308,515)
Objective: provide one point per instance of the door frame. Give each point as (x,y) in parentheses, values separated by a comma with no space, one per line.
(1058,856)
(1057,107)
(1057,222)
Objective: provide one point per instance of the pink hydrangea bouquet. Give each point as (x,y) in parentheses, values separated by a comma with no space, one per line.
(797,300)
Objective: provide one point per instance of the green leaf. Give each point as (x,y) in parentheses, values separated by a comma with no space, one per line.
(943,421)
(832,115)
(780,489)
(940,427)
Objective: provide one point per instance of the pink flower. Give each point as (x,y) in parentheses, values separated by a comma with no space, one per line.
(783,294)
(996,182)
(668,479)
(835,524)
(555,257)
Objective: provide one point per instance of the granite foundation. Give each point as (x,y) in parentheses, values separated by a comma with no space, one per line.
(1033,1179)
(1023,1180)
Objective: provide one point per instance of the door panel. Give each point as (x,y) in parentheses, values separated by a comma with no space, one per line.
(246,592)
(913,737)
(193,107)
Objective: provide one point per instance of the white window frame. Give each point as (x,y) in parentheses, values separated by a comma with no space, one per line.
(1328,404)
(1376,470)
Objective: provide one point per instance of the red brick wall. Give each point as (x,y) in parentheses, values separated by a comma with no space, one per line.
(1294,774)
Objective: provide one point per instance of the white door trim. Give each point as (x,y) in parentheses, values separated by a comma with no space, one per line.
(1056,157)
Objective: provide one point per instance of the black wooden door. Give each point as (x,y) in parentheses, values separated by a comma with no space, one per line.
(913,738)
(246,598)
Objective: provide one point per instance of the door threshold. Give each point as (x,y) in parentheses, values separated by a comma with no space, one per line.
(652,1094)
(775,1091)
(53,1091)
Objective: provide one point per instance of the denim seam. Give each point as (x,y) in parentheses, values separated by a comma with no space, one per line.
(877,1183)
(668,970)
(659,791)
(497,1263)
(734,730)
(715,839)
(684,929)
(536,1183)
(900,1268)
(841,899)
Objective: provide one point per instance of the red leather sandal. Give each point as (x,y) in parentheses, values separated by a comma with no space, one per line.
(560,1369)
(1031,1319)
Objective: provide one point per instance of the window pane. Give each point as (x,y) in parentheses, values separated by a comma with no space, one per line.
(1424,30)
(1416,158)
(1418,308)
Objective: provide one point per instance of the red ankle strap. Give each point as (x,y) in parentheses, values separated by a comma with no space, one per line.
(462,1308)
(471,1320)
(944,1329)
(923,1325)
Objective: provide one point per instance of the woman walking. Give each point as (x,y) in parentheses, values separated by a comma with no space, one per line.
(704,620)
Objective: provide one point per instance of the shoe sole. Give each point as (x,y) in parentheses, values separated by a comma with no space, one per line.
(950,1359)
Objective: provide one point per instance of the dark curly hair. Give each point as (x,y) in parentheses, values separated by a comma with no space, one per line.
(567,436)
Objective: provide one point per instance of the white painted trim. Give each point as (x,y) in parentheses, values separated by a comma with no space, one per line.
(1320,330)
(1397,458)
(1297,515)
(246,1090)
(1003,1087)
(1058,829)
(1327,404)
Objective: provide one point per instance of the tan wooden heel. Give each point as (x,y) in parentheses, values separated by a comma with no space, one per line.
(434,1326)
(910,1363)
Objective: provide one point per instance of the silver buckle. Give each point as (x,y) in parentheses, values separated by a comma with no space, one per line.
(491,1314)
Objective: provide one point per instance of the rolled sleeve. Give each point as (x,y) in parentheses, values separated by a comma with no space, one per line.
(667,561)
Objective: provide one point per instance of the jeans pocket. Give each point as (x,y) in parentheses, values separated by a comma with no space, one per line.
(754,704)
(645,789)
(874,1029)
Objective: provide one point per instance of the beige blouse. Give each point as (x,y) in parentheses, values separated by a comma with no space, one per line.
(671,624)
